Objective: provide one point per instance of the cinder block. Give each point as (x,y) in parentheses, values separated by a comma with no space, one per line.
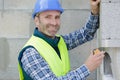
(15,45)
(73,20)
(111,63)
(19,4)
(9,74)
(1,4)
(15,24)
(76,4)
(118,64)
(110,17)
(4,56)
(109,24)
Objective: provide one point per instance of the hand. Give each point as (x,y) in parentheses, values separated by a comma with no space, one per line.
(94,61)
(95,6)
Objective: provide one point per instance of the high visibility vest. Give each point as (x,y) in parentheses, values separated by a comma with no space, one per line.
(58,66)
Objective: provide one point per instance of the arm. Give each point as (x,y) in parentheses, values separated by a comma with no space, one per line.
(38,69)
(84,34)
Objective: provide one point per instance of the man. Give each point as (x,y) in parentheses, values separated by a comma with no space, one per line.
(45,55)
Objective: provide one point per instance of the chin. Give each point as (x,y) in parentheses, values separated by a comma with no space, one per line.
(51,36)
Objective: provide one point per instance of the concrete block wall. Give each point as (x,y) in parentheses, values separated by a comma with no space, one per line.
(16,26)
(109,39)
(109,21)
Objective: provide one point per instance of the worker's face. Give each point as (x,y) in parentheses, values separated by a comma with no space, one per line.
(48,22)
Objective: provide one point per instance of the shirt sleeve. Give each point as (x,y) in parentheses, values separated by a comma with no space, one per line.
(84,34)
(38,69)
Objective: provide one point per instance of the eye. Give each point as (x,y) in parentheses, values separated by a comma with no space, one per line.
(57,17)
(48,17)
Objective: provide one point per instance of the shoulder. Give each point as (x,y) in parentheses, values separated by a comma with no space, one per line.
(30,51)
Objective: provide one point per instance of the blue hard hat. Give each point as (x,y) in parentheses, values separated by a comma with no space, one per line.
(44,5)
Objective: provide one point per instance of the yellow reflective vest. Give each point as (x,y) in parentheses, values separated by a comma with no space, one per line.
(58,66)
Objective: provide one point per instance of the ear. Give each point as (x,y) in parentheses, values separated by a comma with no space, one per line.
(36,20)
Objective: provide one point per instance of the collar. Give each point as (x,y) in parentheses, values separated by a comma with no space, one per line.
(52,42)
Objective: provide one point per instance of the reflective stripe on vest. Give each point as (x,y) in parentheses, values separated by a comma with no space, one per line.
(59,66)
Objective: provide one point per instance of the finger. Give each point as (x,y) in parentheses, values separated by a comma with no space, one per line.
(95,1)
(100,58)
(100,54)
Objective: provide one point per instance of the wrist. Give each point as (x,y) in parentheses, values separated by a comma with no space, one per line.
(95,12)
